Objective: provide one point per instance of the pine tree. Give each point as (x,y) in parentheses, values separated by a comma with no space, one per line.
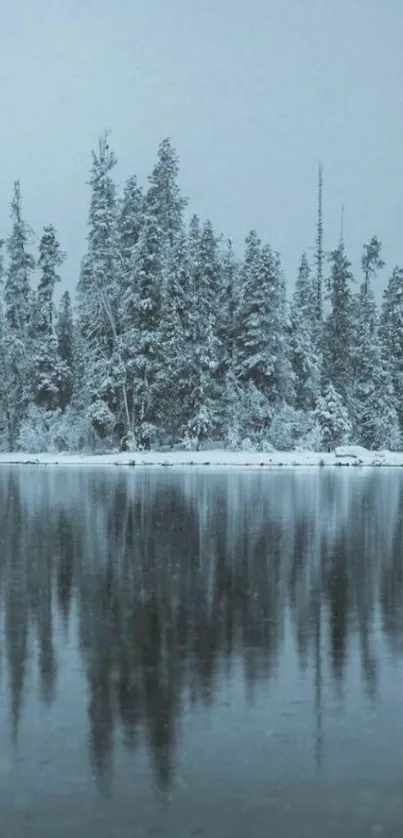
(99,294)
(47,373)
(305,359)
(163,199)
(262,355)
(129,226)
(65,348)
(206,385)
(158,223)
(371,396)
(177,341)
(3,395)
(338,333)
(391,335)
(144,351)
(371,261)
(16,321)
(333,419)
(227,331)
(229,295)
(51,257)
(17,292)
(251,360)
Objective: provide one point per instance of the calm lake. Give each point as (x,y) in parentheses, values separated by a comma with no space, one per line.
(201,653)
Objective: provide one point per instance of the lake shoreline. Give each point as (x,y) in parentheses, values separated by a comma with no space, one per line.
(341,456)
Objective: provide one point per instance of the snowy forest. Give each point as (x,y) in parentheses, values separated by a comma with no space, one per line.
(174,340)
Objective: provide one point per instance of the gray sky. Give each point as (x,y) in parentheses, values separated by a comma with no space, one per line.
(252,93)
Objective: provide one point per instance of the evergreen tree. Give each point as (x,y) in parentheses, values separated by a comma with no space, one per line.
(51,257)
(177,341)
(371,397)
(47,372)
(157,220)
(262,356)
(332,417)
(129,227)
(144,351)
(229,295)
(99,292)
(163,199)
(252,363)
(227,331)
(17,310)
(306,361)
(17,291)
(391,335)
(206,386)
(338,332)
(65,348)
(371,261)
(3,395)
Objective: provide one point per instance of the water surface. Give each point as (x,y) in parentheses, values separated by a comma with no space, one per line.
(201,653)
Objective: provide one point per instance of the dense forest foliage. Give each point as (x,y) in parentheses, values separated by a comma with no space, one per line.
(173,340)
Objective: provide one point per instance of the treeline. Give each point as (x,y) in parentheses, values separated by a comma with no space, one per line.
(174,340)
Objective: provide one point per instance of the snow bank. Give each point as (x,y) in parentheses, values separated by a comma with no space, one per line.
(342,456)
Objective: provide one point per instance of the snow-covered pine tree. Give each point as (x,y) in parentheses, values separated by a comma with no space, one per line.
(17,289)
(305,359)
(205,385)
(16,321)
(104,375)
(3,421)
(371,399)
(229,295)
(251,362)
(129,227)
(144,352)
(371,261)
(149,229)
(279,329)
(46,366)
(338,328)
(65,348)
(391,335)
(163,199)
(227,330)
(177,340)
(262,356)
(51,257)
(332,417)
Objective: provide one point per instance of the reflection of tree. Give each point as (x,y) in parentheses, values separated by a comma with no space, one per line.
(65,566)
(391,587)
(171,577)
(16,629)
(337,592)
(15,595)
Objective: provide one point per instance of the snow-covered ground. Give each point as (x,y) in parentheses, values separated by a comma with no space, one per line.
(346,455)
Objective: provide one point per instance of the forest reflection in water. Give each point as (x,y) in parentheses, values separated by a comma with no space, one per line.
(167,582)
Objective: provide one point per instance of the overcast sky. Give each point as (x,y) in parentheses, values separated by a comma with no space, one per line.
(253,95)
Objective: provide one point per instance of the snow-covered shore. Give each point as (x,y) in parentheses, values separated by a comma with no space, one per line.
(343,456)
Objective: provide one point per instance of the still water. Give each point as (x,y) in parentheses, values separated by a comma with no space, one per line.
(201,653)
